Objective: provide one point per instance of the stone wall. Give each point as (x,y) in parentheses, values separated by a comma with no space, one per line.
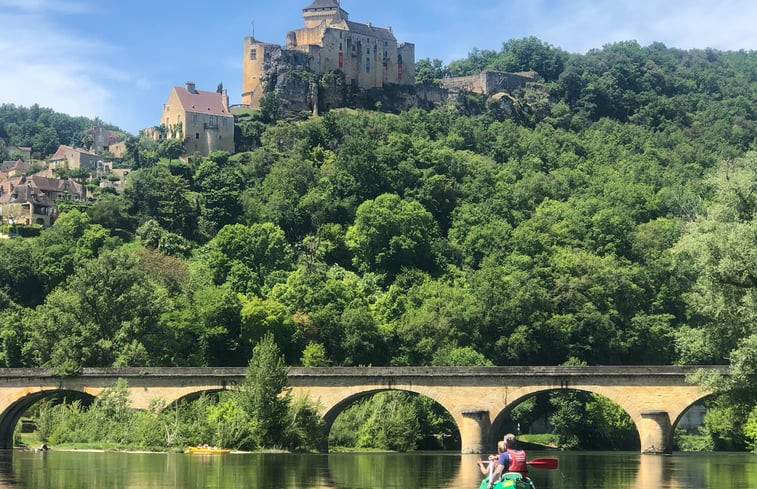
(489,82)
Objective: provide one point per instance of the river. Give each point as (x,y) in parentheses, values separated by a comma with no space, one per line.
(577,470)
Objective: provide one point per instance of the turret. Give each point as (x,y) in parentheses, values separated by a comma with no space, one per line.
(328,11)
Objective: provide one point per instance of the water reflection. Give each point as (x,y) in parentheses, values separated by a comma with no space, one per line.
(595,470)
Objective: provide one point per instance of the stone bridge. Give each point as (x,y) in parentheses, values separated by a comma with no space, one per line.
(478,398)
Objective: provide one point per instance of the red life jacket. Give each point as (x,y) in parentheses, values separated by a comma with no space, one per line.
(518,462)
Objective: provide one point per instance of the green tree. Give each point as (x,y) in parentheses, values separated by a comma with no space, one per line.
(314,355)
(390,234)
(264,394)
(247,256)
(105,313)
(170,148)
(429,72)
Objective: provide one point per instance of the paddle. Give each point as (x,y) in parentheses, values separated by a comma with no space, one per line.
(543,463)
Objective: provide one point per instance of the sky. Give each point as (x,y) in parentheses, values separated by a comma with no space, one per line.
(118,60)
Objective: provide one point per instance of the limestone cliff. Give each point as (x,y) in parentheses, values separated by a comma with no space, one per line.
(299,89)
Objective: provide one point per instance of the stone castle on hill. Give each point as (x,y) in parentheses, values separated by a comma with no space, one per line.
(333,62)
(369,57)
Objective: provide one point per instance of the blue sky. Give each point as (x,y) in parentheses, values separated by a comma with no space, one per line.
(119,59)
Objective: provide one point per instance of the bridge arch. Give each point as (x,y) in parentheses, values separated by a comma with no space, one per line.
(337,406)
(705,396)
(15,410)
(500,417)
(190,397)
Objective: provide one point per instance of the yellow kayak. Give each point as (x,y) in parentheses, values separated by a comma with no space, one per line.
(207,450)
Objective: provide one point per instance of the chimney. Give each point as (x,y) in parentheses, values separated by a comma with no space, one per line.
(225,98)
(191,87)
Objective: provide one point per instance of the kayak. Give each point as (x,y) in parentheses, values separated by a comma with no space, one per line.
(207,450)
(509,480)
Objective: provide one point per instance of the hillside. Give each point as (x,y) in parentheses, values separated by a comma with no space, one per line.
(615,226)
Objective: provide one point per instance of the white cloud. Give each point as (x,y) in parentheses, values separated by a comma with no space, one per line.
(44,6)
(45,66)
(581,25)
(691,24)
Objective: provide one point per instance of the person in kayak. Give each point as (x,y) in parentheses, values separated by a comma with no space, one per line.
(486,469)
(508,459)
(512,458)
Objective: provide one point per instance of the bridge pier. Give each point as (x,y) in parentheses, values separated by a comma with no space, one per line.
(474,431)
(656,432)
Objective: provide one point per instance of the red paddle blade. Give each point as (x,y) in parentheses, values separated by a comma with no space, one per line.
(543,463)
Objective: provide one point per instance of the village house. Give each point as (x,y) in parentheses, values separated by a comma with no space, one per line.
(14,168)
(23,152)
(103,139)
(200,119)
(75,158)
(33,199)
(369,56)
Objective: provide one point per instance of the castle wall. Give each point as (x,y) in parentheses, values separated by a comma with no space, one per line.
(406,52)
(254,55)
(488,82)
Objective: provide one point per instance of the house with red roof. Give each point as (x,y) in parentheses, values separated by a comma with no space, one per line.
(75,158)
(200,119)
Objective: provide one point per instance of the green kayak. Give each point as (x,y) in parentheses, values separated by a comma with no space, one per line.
(509,480)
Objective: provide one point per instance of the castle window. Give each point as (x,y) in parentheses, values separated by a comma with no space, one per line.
(253,54)
(197,136)
(367,65)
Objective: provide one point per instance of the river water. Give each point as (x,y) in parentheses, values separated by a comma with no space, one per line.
(577,470)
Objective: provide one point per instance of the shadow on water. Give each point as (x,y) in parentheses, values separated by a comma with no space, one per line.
(7,479)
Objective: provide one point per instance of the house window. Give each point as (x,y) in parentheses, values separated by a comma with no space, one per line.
(253,54)
(194,119)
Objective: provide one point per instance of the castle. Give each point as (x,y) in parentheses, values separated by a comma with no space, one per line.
(370,57)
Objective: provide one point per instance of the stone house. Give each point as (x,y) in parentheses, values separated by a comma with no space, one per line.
(103,139)
(26,205)
(201,119)
(14,168)
(74,159)
(370,57)
(33,199)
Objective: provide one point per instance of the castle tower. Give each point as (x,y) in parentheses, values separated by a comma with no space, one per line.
(328,11)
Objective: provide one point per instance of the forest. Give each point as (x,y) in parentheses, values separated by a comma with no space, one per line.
(611,222)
